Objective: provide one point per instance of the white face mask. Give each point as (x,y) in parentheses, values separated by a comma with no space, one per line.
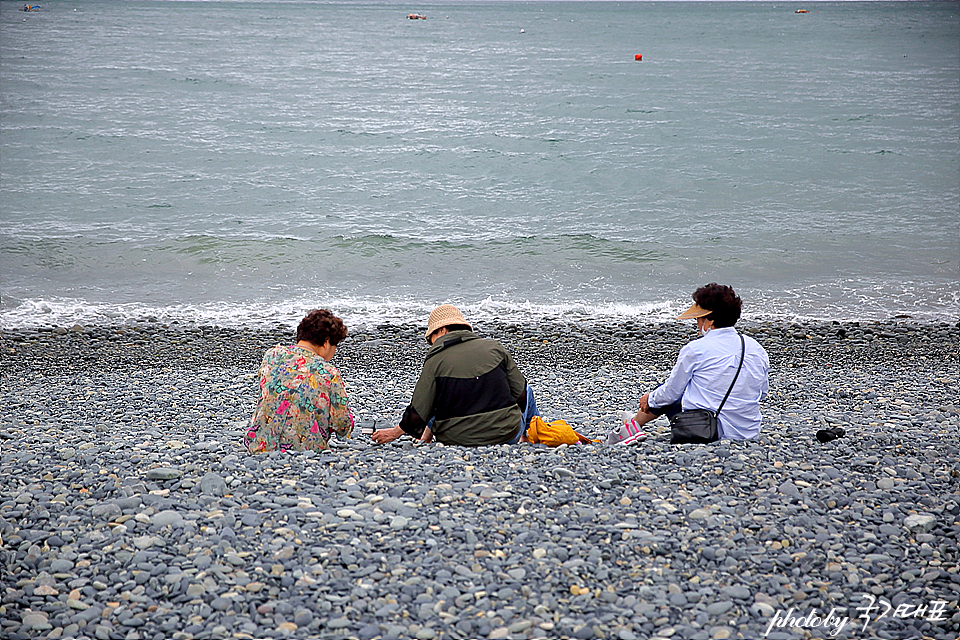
(704,331)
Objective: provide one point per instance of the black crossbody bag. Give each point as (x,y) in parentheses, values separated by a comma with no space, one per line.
(699,426)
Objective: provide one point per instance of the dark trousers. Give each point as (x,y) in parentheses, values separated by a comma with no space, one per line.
(670,410)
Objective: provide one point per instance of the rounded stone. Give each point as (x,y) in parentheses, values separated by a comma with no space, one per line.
(61,565)
(212,484)
(164,473)
(105,511)
(303,617)
(719,608)
(167,517)
(919,522)
(339,623)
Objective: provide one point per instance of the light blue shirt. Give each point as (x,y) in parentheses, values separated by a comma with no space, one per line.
(702,375)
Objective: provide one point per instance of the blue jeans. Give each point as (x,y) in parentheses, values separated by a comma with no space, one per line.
(528,414)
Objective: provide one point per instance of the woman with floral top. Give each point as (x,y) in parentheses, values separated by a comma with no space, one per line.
(302,396)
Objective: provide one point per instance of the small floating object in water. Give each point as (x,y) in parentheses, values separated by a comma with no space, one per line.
(416,16)
(801,11)
(638,57)
(522,31)
(31,7)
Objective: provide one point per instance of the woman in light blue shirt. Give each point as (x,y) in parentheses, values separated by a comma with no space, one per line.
(706,367)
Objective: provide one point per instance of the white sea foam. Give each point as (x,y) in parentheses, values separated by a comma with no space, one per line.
(359,313)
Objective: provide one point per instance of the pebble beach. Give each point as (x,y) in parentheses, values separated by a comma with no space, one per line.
(129,508)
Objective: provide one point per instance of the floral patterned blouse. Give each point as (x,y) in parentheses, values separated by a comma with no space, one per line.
(302,401)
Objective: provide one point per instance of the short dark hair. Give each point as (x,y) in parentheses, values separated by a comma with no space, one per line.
(458,327)
(449,328)
(722,301)
(320,326)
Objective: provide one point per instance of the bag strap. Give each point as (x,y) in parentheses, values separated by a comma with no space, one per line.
(743,352)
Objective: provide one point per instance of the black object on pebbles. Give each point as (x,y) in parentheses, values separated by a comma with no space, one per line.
(130,510)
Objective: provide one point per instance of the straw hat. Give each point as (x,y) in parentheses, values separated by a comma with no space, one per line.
(442,316)
(695,311)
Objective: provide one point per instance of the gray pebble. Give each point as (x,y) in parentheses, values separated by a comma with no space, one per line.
(719,608)
(212,484)
(164,473)
(919,522)
(105,511)
(167,517)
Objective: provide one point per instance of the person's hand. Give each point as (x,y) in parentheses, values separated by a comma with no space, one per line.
(427,436)
(383,436)
(645,403)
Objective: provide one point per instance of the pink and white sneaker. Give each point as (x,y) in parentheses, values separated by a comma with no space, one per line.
(627,434)
(633,433)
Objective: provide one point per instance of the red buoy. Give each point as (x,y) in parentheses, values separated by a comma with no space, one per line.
(638,57)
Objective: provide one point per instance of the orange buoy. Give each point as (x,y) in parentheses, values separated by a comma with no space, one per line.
(638,57)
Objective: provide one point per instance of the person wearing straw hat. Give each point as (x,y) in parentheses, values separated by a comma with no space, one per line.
(706,366)
(470,392)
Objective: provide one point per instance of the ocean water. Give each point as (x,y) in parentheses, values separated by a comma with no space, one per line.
(241,162)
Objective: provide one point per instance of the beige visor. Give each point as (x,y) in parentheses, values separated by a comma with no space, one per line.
(695,311)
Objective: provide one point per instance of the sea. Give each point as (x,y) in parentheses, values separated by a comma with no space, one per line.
(240,162)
